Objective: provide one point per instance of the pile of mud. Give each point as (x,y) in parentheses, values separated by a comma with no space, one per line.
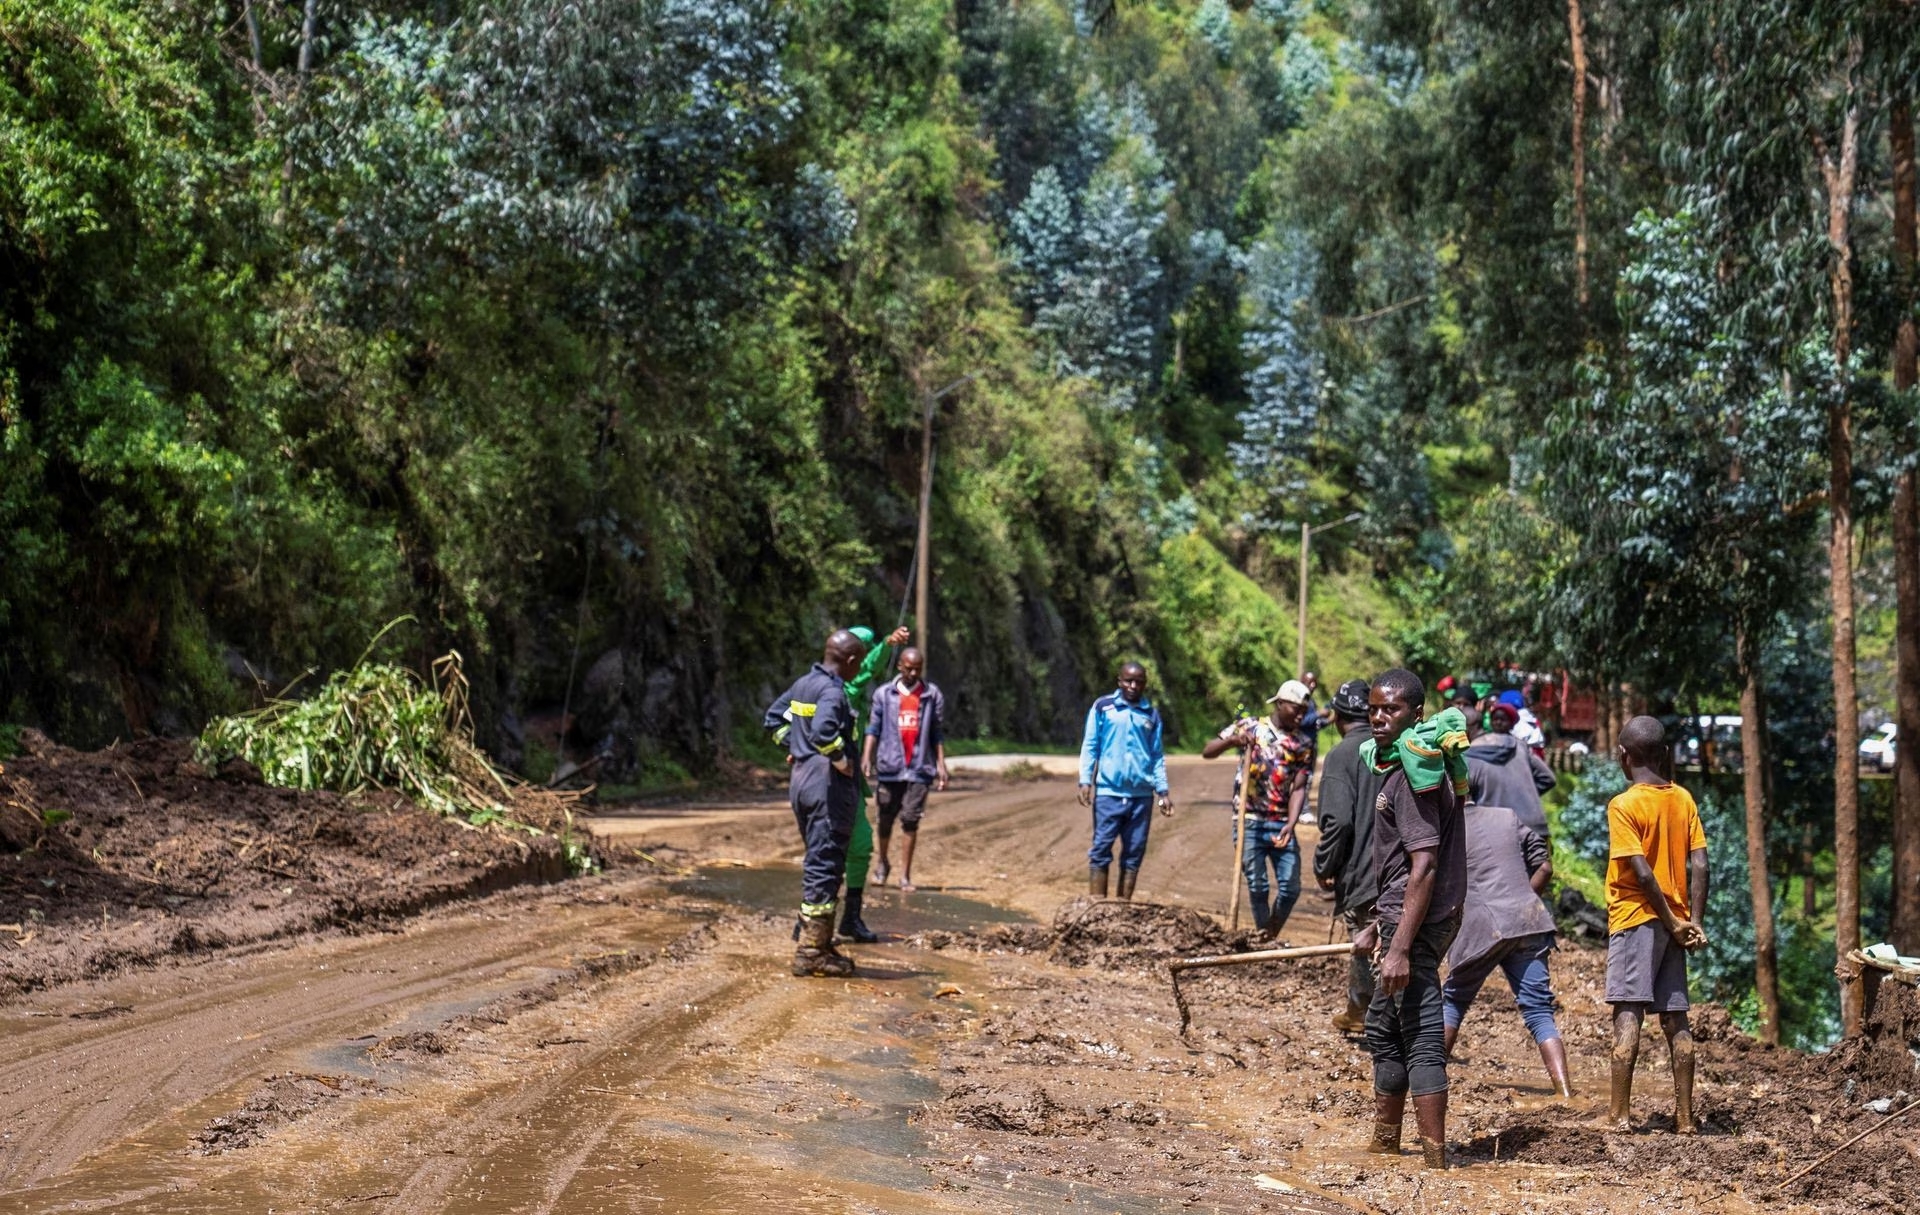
(1105,933)
(118,858)
(1111,933)
(1885,1058)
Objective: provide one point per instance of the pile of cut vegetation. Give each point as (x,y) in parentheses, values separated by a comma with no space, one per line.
(379,727)
(365,801)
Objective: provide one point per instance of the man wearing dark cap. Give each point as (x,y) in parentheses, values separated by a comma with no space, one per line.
(1343,860)
(815,722)
(1501,772)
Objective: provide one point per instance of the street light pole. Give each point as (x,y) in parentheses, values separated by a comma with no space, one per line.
(922,547)
(1306,541)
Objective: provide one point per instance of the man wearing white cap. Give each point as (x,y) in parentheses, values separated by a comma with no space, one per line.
(1279,768)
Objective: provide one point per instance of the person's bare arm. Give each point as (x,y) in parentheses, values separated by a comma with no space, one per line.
(1296,802)
(940,760)
(866,758)
(1683,930)
(1538,856)
(1697,881)
(1396,969)
(1217,745)
(1539,878)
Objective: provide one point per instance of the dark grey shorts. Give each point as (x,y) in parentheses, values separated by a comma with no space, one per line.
(1645,965)
(905,800)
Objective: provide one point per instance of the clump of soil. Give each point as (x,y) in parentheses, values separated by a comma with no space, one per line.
(1885,1058)
(283,1099)
(115,858)
(1020,1109)
(418,1042)
(997,938)
(1111,933)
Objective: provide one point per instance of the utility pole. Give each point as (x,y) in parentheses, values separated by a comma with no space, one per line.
(922,545)
(1306,542)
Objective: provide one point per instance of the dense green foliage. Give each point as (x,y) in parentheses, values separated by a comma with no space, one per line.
(597,336)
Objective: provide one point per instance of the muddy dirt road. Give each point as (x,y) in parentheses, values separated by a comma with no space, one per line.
(631,1042)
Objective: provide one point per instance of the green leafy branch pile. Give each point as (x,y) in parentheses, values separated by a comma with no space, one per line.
(379,726)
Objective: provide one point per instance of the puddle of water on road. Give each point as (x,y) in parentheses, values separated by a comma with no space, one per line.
(776,888)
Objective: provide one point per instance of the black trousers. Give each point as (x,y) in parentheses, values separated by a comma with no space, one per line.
(1407,1033)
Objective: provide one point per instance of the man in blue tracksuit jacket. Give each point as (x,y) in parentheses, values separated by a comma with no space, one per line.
(814,722)
(1123,772)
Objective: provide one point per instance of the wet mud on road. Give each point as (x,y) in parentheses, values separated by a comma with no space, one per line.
(631,1042)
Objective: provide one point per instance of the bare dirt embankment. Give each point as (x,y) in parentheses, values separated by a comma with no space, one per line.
(631,1042)
(124,857)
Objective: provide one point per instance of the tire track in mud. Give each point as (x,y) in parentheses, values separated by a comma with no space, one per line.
(197,1035)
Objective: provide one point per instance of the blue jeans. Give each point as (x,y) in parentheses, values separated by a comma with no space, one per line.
(1126,819)
(1261,849)
(1524,960)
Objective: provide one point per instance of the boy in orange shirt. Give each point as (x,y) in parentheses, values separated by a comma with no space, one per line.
(1656,892)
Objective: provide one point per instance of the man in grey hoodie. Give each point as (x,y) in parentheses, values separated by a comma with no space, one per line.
(1501,772)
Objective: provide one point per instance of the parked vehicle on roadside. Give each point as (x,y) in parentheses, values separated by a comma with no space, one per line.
(1877,749)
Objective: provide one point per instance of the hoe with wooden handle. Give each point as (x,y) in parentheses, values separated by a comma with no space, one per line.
(1181,965)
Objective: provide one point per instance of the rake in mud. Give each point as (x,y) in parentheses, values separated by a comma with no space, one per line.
(1180,966)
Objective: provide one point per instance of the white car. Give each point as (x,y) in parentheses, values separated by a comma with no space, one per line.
(1878,748)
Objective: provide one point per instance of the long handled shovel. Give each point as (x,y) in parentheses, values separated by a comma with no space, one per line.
(1239,843)
(1182,965)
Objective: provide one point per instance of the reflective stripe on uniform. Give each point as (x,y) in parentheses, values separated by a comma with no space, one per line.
(802,708)
(816,910)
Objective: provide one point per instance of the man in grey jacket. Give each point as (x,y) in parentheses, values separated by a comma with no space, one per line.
(1502,772)
(906,752)
(1343,860)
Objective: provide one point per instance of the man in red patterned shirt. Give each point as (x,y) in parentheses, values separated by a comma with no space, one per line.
(1279,767)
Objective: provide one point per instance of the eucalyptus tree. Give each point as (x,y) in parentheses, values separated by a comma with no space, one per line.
(1774,110)
(1685,479)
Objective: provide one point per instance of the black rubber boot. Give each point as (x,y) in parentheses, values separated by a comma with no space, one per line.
(852,926)
(1097,881)
(1127,878)
(816,957)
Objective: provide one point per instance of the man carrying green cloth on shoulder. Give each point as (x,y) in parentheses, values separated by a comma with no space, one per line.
(860,847)
(1419,844)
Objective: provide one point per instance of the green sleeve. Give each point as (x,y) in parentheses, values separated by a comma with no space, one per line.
(870,669)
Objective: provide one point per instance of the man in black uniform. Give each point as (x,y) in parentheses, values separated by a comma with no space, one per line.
(816,723)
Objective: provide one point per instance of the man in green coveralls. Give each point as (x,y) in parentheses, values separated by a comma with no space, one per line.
(860,848)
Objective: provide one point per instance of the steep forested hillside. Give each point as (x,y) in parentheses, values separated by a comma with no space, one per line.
(597,335)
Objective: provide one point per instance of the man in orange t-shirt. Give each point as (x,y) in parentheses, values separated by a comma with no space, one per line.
(1656,893)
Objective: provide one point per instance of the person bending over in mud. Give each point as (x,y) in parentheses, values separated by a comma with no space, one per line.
(1504,926)
(1656,892)
(1419,844)
(1123,772)
(815,722)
